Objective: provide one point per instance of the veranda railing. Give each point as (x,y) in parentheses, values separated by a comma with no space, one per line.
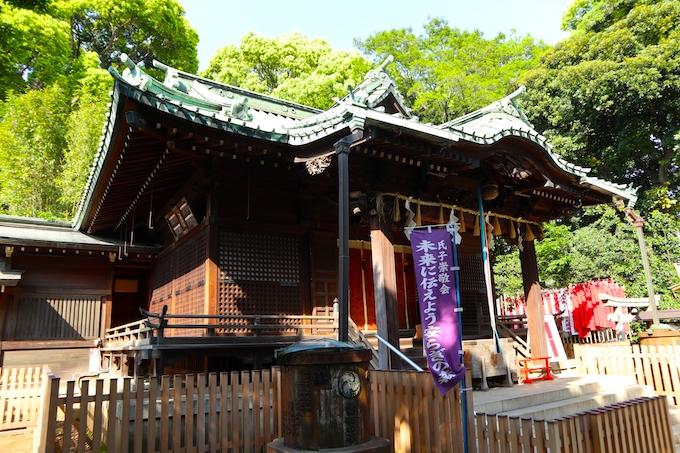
(156,326)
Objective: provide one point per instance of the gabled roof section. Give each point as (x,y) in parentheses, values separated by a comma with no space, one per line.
(379,91)
(504,118)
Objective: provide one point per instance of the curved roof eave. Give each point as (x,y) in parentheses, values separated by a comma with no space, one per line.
(273,120)
(99,160)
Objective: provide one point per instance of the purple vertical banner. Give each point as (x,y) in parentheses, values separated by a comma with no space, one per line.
(433,263)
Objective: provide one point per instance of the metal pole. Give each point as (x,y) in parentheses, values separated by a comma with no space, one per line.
(638,223)
(342,149)
(399,353)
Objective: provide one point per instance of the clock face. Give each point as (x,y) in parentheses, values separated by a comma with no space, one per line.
(350,384)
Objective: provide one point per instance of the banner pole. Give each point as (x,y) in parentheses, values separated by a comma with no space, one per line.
(487,270)
(456,275)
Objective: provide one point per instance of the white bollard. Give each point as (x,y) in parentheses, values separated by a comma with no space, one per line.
(508,372)
(485,386)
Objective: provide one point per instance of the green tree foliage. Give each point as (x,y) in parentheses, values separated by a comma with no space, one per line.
(55,88)
(144,29)
(447,73)
(294,67)
(32,141)
(507,271)
(84,132)
(607,97)
(36,48)
(601,244)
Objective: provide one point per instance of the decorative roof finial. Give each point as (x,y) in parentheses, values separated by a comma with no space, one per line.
(387,61)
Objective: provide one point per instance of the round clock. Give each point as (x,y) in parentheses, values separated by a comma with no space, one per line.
(350,384)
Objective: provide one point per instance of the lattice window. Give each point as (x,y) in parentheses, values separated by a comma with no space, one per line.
(259,257)
(259,274)
(475,317)
(471,273)
(41,317)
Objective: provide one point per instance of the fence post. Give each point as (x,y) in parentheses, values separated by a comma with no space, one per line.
(47,419)
(596,430)
(553,436)
(482,432)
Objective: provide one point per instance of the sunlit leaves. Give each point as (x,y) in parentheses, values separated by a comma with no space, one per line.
(143,29)
(32,143)
(55,86)
(608,96)
(293,67)
(35,48)
(447,73)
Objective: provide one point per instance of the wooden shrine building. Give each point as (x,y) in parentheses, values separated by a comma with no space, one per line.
(207,199)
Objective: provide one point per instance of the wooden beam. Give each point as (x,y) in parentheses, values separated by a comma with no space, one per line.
(45,344)
(385,289)
(534,302)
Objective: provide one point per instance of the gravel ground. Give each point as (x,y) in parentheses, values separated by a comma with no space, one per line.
(18,441)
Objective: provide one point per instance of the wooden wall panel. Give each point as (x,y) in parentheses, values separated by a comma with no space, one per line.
(324,270)
(43,317)
(62,274)
(62,362)
(180,276)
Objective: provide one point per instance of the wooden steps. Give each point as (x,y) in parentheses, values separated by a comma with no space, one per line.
(566,395)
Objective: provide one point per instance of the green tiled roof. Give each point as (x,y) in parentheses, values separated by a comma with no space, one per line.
(250,114)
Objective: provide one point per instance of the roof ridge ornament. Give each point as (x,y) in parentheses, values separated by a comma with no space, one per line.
(375,88)
(185,92)
(505,105)
(133,74)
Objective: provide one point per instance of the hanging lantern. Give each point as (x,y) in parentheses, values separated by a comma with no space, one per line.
(489,189)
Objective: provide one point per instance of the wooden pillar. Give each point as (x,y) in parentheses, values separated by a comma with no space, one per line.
(385,289)
(342,149)
(212,273)
(107,307)
(534,302)
(212,253)
(3,312)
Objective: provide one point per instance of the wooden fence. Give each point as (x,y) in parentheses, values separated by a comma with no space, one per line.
(407,409)
(205,412)
(655,365)
(636,426)
(20,392)
(410,412)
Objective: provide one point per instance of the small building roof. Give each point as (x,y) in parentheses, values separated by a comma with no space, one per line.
(54,234)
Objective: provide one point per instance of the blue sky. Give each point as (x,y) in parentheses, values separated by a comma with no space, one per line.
(222,22)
